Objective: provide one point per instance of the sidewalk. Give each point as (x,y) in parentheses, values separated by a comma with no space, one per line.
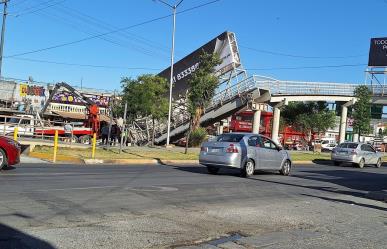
(28,159)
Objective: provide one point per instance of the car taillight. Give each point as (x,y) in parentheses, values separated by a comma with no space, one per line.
(204,149)
(232,149)
(353,152)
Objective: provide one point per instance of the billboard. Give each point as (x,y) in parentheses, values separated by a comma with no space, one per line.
(224,44)
(378,52)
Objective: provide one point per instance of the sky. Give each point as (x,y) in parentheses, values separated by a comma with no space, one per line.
(273,36)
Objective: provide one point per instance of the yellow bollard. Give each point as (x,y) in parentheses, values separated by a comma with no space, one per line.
(93,147)
(55,145)
(15,132)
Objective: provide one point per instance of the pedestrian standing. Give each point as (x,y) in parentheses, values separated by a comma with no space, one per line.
(68,131)
(113,134)
(105,134)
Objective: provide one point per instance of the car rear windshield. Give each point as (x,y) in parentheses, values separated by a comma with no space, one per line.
(348,145)
(230,138)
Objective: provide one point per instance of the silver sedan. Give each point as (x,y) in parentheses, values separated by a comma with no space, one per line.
(244,151)
(359,154)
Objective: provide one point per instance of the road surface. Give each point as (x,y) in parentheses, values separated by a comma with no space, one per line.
(75,206)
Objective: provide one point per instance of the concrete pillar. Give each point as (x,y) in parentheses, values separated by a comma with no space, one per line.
(220,128)
(343,123)
(256,121)
(276,121)
(356,137)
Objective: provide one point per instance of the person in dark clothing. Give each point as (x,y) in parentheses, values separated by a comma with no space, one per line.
(105,134)
(113,134)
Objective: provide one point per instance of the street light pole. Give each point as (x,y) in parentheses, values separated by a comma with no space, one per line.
(5,2)
(174,7)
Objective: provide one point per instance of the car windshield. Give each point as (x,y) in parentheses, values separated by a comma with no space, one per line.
(348,145)
(230,138)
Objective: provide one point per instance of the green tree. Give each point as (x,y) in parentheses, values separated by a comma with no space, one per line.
(146,97)
(362,110)
(202,88)
(309,117)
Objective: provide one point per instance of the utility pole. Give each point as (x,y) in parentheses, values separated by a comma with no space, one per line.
(5,2)
(174,7)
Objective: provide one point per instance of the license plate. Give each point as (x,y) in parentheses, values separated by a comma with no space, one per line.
(215,150)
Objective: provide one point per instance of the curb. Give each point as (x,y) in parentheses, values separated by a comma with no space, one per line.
(121,161)
(140,161)
(179,162)
(302,162)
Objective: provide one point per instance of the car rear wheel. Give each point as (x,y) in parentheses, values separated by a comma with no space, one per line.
(248,168)
(336,163)
(361,163)
(379,163)
(3,160)
(212,170)
(285,168)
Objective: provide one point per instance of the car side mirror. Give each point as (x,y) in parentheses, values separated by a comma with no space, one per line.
(279,148)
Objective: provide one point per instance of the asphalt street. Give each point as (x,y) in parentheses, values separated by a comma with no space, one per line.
(77,206)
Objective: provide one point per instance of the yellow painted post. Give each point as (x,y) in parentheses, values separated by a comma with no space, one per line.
(93,147)
(15,132)
(55,145)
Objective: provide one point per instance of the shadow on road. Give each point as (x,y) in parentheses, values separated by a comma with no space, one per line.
(327,162)
(347,202)
(355,182)
(8,168)
(352,179)
(11,238)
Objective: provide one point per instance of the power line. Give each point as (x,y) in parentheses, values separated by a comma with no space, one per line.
(300,56)
(159,69)
(85,65)
(35,8)
(40,9)
(306,67)
(140,49)
(98,23)
(110,32)
(17,3)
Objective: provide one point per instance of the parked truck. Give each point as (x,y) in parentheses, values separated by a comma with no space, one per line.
(29,126)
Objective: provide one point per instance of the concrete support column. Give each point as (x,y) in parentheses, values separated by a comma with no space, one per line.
(220,128)
(343,123)
(276,121)
(256,121)
(355,137)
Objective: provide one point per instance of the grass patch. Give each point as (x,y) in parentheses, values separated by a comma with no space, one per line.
(46,152)
(308,156)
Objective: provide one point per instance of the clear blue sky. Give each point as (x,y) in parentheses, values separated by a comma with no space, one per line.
(328,28)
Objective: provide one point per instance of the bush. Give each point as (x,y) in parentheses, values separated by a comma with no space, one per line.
(197,137)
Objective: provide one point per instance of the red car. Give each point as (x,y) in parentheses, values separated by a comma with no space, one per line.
(9,152)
